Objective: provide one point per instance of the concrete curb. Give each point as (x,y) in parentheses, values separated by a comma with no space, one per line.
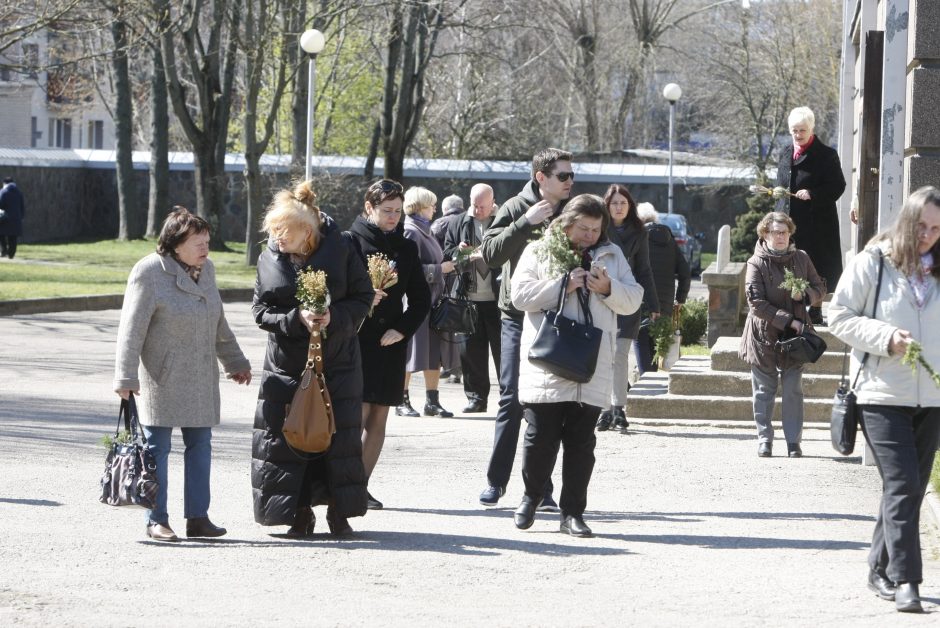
(94,302)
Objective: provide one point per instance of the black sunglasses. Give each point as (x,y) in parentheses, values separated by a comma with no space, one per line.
(561,176)
(387,186)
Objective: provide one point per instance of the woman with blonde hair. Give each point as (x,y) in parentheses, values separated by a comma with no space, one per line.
(887,299)
(286,484)
(424,346)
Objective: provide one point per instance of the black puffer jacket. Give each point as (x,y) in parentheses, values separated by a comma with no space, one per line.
(276,471)
(668,265)
(634,243)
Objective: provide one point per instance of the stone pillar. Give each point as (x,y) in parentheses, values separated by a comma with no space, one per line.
(922,149)
(725,299)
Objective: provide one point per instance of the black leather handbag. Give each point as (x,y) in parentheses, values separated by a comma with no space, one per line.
(454,313)
(802,348)
(130,470)
(565,347)
(846,415)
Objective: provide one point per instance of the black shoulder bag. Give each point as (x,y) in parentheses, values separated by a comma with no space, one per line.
(455,313)
(565,347)
(843,422)
(130,470)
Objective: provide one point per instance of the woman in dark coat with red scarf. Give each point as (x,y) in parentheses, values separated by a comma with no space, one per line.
(811,171)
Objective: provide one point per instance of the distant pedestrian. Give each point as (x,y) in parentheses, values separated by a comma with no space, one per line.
(424,346)
(900,408)
(452,208)
(482,287)
(12,209)
(174,328)
(775,313)
(671,276)
(811,171)
(626,231)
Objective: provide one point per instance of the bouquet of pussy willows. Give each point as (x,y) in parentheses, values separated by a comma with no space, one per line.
(559,252)
(312,292)
(776,192)
(382,273)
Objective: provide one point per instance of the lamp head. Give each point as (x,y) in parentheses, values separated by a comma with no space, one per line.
(312,41)
(672,92)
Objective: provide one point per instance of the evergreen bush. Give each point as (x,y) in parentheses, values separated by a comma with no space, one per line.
(694,321)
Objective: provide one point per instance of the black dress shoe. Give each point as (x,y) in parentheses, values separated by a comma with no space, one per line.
(202,527)
(372,503)
(879,583)
(765,450)
(907,598)
(524,516)
(794,451)
(604,421)
(476,405)
(303,524)
(575,526)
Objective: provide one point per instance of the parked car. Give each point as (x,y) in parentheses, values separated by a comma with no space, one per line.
(690,245)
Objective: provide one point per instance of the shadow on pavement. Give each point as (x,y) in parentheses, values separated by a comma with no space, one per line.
(737,542)
(29,502)
(416,542)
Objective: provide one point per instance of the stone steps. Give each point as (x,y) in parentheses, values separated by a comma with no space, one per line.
(694,377)
(724,357)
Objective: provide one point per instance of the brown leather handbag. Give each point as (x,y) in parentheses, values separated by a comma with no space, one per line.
(309,425)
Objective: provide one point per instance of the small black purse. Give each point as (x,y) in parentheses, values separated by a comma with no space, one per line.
(454,313)
(130,470)
(846,415)
(565,347)
(802,348)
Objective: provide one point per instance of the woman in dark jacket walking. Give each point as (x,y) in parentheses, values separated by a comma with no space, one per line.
(776,313)
(811,171)
(287,483)
(626,231)
(383,338)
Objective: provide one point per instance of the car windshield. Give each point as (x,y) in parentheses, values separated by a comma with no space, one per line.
(675,222)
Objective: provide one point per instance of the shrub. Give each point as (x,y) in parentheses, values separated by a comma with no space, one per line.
(694,321)
(744,233)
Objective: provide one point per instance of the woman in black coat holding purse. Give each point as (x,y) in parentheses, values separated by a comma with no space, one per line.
(285,483)
(626,231)
(383,338)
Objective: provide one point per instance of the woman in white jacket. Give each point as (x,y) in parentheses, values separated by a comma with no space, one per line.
(556,409)
(900,409)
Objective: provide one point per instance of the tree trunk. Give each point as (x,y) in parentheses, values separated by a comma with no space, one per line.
(298,103)
(159,147)
(128,212)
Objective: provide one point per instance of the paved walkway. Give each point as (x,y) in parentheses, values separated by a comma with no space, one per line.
(691,527)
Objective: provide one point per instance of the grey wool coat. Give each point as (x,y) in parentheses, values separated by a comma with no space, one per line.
(176,331)
(424,347)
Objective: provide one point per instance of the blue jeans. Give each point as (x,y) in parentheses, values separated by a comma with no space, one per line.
(197,459)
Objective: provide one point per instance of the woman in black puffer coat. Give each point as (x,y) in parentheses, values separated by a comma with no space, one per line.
(286,484)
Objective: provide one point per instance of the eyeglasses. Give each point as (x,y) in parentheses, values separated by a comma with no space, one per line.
(387,186)
(778,234)
(561,176)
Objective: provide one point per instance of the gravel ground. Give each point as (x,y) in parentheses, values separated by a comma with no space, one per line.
(691,528)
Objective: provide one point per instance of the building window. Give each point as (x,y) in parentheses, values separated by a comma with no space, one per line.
(4,74)
(35,134)
(60,133)
(95,134)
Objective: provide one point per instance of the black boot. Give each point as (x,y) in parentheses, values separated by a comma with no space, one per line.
(603,421)
(405,408)
(303,524)
(432,407)
(620,419)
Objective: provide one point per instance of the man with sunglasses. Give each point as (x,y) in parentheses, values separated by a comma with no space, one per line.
(520,220)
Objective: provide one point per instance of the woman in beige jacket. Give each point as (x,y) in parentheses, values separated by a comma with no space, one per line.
(172,324)
(560,411)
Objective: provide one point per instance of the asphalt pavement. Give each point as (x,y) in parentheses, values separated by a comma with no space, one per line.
(691,527)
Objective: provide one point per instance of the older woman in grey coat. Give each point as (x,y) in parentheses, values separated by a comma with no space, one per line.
(173,325)
(424,347)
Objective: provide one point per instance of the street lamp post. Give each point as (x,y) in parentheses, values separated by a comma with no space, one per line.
(672,93)
(312,42)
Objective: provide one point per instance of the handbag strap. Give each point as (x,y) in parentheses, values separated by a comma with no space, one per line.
(128,415)
(583,301)
(315,350)
(874,308)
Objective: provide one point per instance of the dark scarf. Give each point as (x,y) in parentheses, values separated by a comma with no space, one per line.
(192,271)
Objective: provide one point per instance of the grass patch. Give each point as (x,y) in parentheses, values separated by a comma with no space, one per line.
(696,349)
(99,267)
(708,258)
(935,475)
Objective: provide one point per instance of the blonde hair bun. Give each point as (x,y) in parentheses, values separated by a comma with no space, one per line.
(304,193)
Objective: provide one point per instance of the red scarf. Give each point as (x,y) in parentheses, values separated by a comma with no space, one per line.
(799,150)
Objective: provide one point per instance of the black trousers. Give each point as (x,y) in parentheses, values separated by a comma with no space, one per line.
(475,352)
(566,423)
(509,414)
(904,441)
(7,246)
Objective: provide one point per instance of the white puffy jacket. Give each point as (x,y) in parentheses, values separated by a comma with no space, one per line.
(533,291)
(884,380)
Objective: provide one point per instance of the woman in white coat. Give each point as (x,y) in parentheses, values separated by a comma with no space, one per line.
(900,409)
(560,411)
(172,325)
